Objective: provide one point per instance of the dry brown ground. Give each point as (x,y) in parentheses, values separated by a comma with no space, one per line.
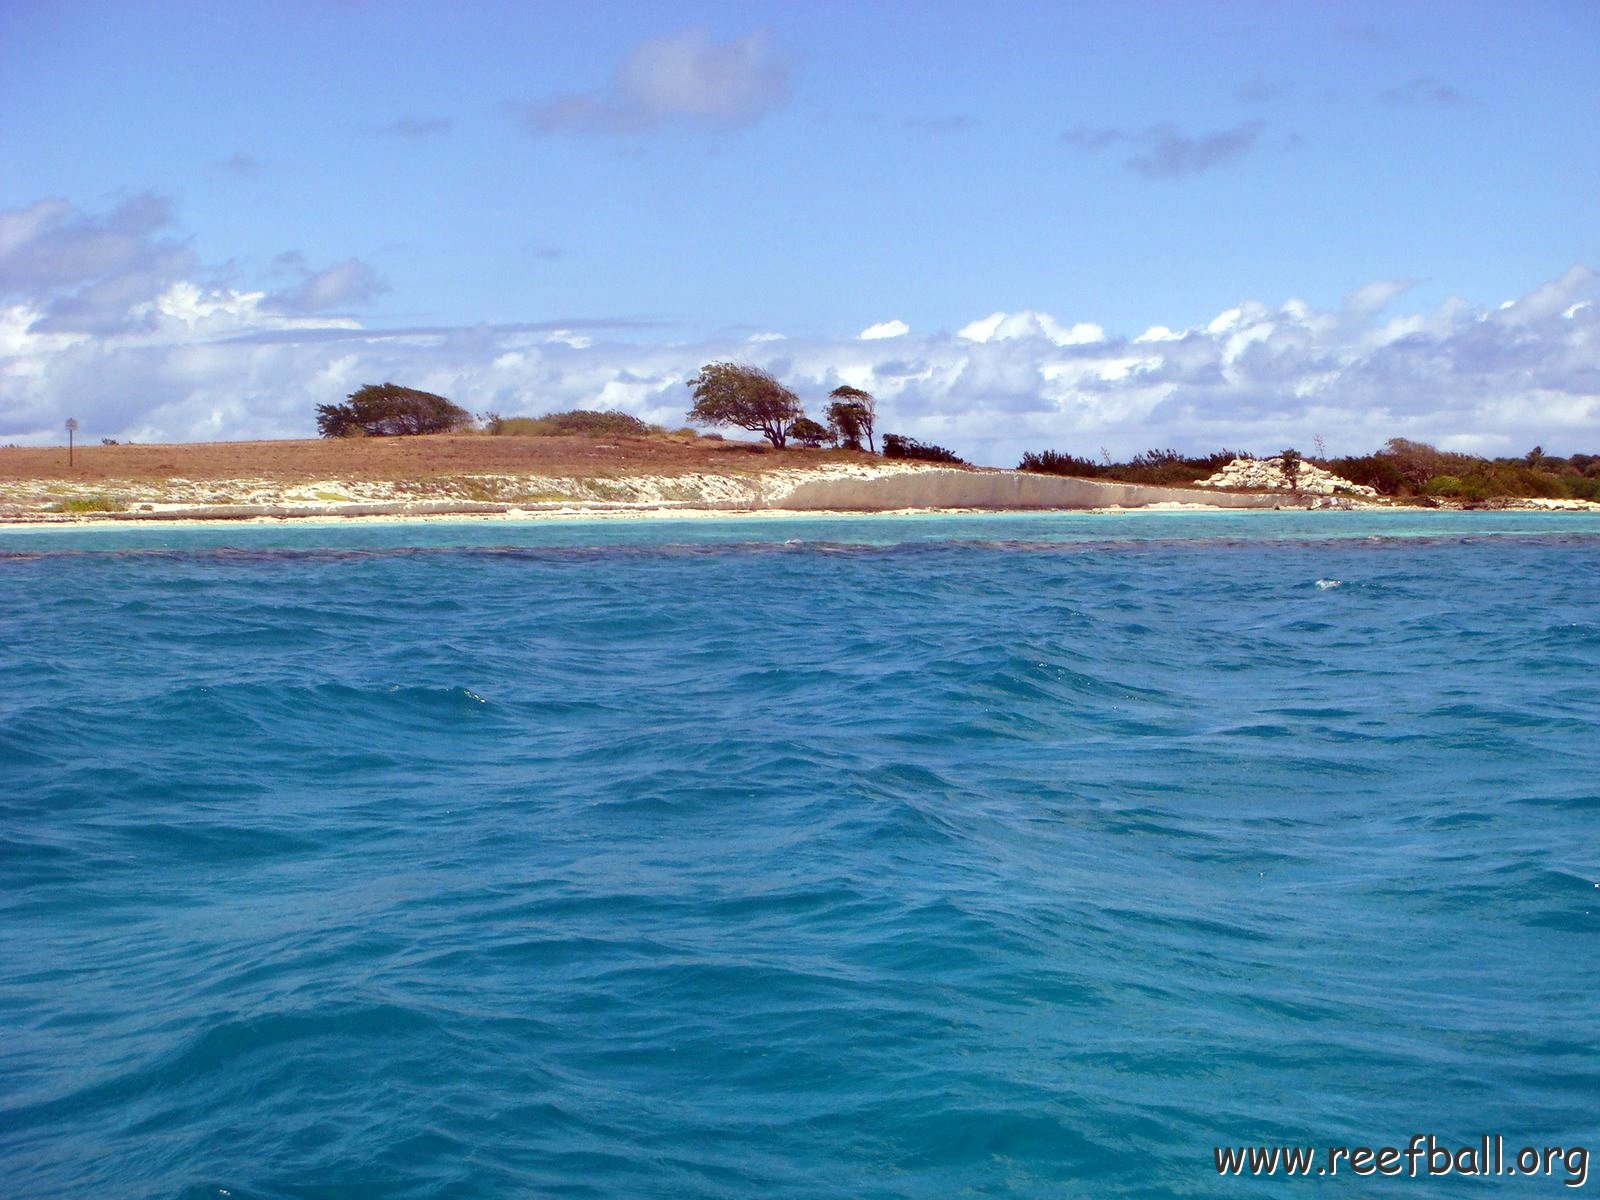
(403,458)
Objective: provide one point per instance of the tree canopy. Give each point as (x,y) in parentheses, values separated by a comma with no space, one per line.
(808,433)
(851,415)
(389,410)
(745,397)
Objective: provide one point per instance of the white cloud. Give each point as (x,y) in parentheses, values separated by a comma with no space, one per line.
(177,359)
(1000,326)
(1371,297)
(682,79)
(884,330)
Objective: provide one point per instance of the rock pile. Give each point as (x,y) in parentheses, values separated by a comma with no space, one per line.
(1266,475)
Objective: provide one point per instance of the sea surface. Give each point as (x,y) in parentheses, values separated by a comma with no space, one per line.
(872,857)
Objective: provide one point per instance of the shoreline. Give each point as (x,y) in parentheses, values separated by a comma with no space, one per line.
(496,515)
(461,480)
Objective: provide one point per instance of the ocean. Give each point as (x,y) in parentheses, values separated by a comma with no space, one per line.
(938,856)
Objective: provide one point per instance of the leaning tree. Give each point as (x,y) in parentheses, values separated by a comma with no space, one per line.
(745,397)
(389,410)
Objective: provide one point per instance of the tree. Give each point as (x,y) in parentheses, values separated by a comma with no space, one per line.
(1291,460)
(808,433)
(389,410)
(851,416)
(746,397)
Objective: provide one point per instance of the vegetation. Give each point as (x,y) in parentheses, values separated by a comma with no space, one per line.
(98,503)
(898,446)
(1403,469)
(579,422)
(808,433)
(1408,469)
(389,410)
(851,416)
(746,397)
(1290,461)
(1151,467)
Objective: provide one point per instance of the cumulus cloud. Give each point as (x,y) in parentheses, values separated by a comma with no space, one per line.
(1002,326)
(88,273)
(683,79)
(883,330)
(1162,152)
(186,360)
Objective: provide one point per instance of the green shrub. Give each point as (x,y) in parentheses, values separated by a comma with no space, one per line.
(1054,462)
(1148,467)
(898,446)
(579,422)
(91,504)
(1444,485)
(1580,488)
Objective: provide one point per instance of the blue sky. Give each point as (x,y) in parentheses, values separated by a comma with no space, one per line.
(1067,225)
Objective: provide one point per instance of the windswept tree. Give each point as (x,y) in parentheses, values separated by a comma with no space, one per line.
(851,416)
(389,410)
(745,397)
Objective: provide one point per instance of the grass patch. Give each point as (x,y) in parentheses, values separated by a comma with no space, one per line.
(90,504)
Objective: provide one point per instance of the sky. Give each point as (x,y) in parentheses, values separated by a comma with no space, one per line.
(1088,227)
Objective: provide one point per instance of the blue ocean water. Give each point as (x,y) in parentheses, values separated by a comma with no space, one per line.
(876,857)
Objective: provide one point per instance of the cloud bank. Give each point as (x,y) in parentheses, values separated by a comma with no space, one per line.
(110,320)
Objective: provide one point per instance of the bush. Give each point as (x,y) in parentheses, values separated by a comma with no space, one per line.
(578,422)
(898,446)
(91,504)
(1149,467)
(1444,485)
(1052,462)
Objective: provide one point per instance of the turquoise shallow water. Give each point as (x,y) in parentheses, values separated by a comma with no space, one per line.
(881,857)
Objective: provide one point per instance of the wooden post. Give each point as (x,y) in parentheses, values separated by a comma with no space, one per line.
(72,428)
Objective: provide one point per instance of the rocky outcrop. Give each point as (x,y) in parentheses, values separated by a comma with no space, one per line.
(1267,474)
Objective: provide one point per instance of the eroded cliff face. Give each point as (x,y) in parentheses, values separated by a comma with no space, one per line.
(941,488)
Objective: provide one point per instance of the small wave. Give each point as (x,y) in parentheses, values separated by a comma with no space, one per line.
(1324,585)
